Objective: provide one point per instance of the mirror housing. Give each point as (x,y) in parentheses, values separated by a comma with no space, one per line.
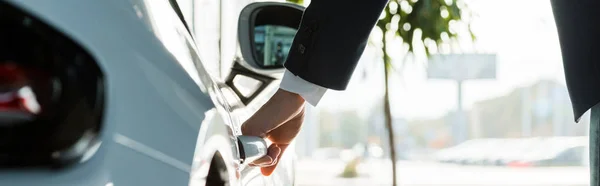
(266,31)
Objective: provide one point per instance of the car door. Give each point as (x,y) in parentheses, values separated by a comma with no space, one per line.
(241,90)
(248,87)
(203,17)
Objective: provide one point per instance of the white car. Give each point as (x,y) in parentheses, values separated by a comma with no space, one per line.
(456,153)
(554,150)
(516,150)
(137,92)
(477,155)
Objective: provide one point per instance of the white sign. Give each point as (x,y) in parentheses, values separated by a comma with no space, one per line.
(462,66)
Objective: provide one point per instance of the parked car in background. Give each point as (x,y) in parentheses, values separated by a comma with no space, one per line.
(536,151)
(501,148)
(487,150)
(453,154)
(516,150)
(556,151)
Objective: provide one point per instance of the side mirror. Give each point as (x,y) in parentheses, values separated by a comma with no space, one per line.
(266,32)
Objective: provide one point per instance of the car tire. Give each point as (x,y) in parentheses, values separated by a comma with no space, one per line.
(217,173)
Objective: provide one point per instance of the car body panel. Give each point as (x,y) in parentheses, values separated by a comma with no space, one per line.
(159,98)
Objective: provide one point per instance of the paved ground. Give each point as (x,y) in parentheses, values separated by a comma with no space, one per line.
(376,172)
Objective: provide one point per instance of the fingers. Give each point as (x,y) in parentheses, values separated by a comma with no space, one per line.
(285,133)
(272,153)
(268,170)
(279,120)
(280,108)
(281,137)
(269,162)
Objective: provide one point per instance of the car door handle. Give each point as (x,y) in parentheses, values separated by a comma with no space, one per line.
(251,148)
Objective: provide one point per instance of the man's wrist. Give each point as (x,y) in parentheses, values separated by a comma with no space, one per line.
(291,95)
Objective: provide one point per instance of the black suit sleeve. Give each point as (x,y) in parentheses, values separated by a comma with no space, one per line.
(330,40)
(578,25)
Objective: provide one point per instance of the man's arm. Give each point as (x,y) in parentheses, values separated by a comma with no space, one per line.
(331,38)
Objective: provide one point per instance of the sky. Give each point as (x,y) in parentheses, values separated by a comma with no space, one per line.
(521,33)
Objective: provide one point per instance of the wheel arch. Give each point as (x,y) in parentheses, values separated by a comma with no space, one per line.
(215,140)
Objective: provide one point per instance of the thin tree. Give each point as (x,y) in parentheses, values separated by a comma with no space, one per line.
(414,22)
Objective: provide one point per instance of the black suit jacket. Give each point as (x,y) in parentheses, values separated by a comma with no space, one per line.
(330,40)
(578,24)
(333,34)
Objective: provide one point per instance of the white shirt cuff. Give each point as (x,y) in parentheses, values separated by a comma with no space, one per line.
(311,92)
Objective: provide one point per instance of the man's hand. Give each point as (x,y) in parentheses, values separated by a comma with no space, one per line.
(279,120)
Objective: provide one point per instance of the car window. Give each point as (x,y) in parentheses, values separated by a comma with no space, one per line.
(204,20)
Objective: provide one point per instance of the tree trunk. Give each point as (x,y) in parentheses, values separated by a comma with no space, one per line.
(387,110)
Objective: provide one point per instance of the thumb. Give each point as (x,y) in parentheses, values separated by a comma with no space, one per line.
(268,170)
(272,152)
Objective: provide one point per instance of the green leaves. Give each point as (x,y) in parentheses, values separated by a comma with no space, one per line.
(432,17)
